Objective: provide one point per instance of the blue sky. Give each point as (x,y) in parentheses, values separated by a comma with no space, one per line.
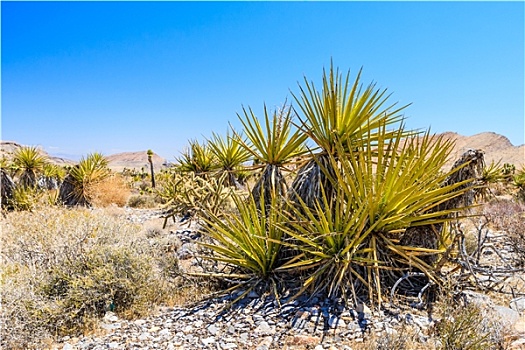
(112,77)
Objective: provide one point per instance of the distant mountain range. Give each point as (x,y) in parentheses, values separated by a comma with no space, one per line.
(495,146)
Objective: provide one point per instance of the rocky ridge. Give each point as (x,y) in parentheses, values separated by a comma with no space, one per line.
(495,146)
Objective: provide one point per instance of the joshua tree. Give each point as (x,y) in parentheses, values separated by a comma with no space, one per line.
(150,154)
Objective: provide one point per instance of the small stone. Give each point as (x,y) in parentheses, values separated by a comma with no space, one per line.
(110,317)
(208,341)
(139,322)
(264,328)
(518,344)
(391,331)
(67,346)
(144,336)
(318,347)
(265,344)
(507,314)
(113,345)
(213,329)
(154,329)
(229,346)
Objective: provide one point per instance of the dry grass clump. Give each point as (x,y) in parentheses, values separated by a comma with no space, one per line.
(61,269)
(469,326)
(509,216)
(111,190)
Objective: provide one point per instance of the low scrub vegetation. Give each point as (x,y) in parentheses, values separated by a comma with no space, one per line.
(63,269)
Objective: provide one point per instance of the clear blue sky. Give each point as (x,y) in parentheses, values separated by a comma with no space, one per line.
(79,77)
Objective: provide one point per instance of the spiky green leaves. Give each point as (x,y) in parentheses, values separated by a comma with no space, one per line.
(30,163)
(354,236)
(342,112)
(76,185)
(198,158)
(274,142)
(249,242)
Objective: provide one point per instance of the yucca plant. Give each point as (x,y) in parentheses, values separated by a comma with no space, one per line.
(24,198)
(30,164)
(198,158)
(353,240)
(519,183)
(230,155)
(342,113)
(272,145)
(51,176)
(248,244)
(75,187)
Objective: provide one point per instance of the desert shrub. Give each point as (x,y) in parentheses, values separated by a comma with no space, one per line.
(509,216)
(468,327)
(24,198)
(189,193)
(519,183)
(145,200)
(110,190)
(103,278)
(63,268)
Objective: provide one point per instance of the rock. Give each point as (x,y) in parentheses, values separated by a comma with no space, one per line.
(518,304)
(265,344)
(208,341)
(518,344)
(186,251)
(110,317)
(519,326)
(212,329)
(67,346)
(476,298)
(264,328)
(507,315)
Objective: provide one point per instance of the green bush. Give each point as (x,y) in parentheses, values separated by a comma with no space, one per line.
(61,269)
(102,279)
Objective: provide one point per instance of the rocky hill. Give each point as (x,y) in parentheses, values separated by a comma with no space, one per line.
(7,148)
(134,160)
(495,146)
